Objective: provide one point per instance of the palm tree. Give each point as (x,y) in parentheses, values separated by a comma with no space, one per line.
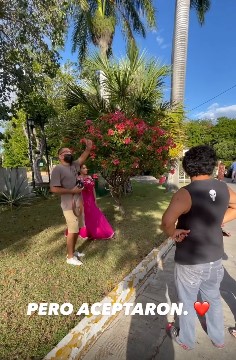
(180,43)
(133,85)
(96,21)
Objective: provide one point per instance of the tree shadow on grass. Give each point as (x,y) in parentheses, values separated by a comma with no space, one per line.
(26,222)
(138,231)
(39,229)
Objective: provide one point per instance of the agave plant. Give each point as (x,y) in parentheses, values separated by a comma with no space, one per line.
(42,192)
(15,193)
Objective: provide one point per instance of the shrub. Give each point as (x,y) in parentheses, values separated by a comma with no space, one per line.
(124,147)
(42,191)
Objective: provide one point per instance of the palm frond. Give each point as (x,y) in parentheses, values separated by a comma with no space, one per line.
(201,6)
(90,102)
(84,5)
(146,8)
(81,36)
(129,12)
(132,84)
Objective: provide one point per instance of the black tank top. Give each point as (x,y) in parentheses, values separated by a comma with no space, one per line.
(210,200)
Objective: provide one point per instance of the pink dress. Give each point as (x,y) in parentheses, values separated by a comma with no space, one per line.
(97,226)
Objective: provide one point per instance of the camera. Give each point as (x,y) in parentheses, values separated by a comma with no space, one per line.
(80,183)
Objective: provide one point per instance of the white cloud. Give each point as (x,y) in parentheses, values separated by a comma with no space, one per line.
(159,40)
(215,111)
(164,46)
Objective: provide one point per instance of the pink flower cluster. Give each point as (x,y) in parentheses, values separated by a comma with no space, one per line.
(126,144)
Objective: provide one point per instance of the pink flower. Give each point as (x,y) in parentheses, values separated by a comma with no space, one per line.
(95,176)
(110,132)
(91,129)
(172,171)
(127,140)
(116,162)
(135,165)
(162,180)
(88,122)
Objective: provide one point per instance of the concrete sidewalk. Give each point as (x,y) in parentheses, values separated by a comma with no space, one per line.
(141,337)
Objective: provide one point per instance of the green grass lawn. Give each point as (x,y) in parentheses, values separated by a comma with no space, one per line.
(33,265)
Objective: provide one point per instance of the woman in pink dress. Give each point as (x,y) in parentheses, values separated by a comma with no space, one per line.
(97,226)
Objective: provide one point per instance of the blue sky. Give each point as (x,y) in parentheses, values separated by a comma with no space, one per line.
(211,63)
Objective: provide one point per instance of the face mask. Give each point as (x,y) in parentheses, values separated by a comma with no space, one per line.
(68,158)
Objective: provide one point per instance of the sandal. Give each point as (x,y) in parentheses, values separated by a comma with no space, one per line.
(173,332)
(225,233)
(219,346)
(232,331)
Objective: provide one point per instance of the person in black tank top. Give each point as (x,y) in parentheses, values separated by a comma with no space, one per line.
(194,219)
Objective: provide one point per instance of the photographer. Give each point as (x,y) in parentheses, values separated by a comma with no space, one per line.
(64,183)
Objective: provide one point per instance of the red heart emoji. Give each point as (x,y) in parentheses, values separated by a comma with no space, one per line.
(201,308)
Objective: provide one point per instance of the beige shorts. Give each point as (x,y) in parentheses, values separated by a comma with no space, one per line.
(73,222)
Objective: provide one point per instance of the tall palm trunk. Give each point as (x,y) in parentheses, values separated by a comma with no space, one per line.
(179,60)
(179,50)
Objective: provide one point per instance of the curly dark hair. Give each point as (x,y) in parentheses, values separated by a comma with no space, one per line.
(199,160)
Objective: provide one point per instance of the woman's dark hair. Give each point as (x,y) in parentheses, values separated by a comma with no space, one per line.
(199,160)
(81,165)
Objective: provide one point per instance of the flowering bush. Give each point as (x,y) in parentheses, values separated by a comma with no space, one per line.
(124,147)
(162,180)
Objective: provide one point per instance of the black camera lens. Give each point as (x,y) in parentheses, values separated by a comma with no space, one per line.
(80,183)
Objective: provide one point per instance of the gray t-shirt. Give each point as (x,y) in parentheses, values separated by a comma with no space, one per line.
(65,176)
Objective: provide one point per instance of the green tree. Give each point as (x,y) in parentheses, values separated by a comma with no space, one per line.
(96,24)
(38,111)
(180,43)
(225,128)
(55,93)
(225,150)
(30,32)
(223,138)
(15,144)
(220,135)
(198,132)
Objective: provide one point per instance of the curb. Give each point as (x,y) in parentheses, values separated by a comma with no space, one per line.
(82,336)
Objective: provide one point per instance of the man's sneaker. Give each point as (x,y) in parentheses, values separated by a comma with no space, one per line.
(74,261)
(78,254)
